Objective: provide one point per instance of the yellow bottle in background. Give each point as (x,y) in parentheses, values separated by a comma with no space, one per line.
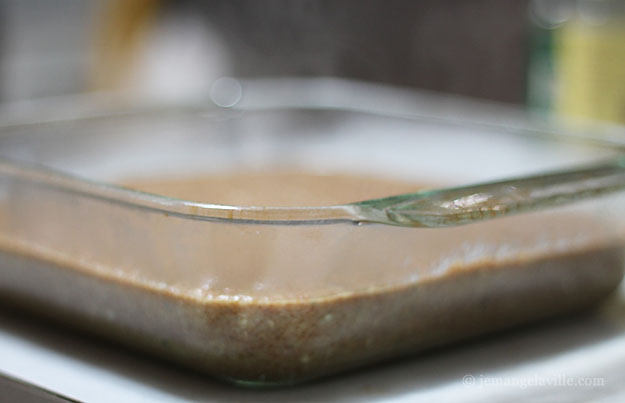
(590,69)
(577,58)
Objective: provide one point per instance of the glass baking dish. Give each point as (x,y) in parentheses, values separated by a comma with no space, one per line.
(502,227)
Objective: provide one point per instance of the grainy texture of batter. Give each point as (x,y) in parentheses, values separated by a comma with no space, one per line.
(322,300)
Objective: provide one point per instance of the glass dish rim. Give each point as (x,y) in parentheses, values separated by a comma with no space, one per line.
(431,208)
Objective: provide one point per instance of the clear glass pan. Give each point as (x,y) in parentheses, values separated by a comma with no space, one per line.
(281,294)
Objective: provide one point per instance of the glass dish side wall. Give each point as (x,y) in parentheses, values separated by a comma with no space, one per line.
(214,295)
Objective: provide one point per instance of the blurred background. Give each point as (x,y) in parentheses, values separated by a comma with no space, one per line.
(566,57)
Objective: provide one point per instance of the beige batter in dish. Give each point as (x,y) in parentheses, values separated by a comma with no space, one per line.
(282,304)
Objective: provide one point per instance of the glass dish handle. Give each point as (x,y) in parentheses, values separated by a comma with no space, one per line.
(463,205)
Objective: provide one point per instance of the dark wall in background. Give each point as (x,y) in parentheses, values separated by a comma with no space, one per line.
(3,36)
(469,47)
(474,48)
